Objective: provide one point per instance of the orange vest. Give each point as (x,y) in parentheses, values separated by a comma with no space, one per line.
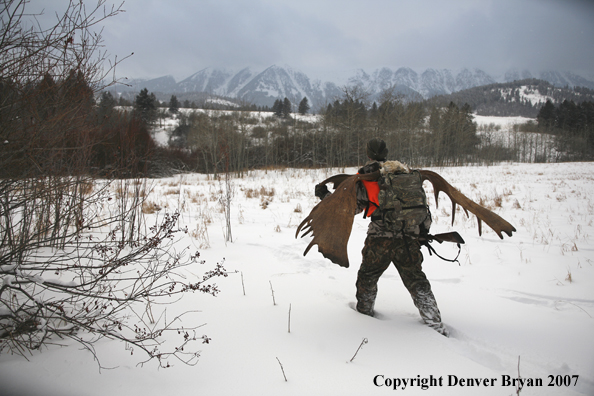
(372,194)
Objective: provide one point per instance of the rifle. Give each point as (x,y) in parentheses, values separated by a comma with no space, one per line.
(452,237)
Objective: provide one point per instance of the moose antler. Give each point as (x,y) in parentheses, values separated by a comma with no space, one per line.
(496,222)
(331,220)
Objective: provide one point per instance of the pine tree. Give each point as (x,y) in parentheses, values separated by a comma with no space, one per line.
(546,115)
(106,105)
(124,102)
(277,108)
(173,105)
(303,106)
(287,108)
(145,106)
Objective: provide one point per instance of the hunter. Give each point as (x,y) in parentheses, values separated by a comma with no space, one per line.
(397,207)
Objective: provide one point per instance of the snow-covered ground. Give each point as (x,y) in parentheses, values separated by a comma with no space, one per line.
(520,305)
(504,123)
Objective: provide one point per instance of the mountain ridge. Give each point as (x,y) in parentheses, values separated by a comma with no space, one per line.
(262,88)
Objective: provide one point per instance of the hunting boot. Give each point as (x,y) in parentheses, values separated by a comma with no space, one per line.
(424,300)
(366,294)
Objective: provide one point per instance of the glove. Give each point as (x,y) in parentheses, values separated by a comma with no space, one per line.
(321,191)
(369,168)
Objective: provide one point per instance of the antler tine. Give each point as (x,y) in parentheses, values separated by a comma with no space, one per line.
(307,231)
(453,212)
(311,244)
(436,194)
(497,223)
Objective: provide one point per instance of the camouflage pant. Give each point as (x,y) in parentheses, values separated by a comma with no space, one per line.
(406,255)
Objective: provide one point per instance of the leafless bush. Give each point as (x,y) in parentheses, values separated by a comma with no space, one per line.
(77,257)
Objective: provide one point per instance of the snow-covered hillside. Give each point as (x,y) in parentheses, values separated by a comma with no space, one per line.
(526,94)
(518,307)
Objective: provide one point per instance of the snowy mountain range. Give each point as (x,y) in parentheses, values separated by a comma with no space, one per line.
(264,87)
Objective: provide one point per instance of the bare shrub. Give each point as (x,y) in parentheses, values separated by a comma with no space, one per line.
(77,258)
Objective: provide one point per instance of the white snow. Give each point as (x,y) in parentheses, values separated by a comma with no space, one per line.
(222,102)
(529,94)
(502,122)
(522,304)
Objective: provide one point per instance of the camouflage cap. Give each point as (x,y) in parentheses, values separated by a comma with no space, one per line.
(377,150)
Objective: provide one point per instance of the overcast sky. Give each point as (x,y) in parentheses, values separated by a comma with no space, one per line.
(326,37)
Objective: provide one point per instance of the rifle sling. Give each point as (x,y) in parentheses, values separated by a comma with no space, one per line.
(432,250)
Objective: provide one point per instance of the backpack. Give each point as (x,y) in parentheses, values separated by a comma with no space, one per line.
(403,203)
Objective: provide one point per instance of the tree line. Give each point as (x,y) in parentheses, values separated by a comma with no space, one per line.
(419,133)
(572,125)
(235,141)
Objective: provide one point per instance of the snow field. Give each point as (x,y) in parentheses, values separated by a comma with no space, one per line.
(529,296)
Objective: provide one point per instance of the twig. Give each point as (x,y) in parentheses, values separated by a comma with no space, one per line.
(289,318)
(242,285)
(283,370)
(518,386)
(149,311)
(273,300)
(362,343)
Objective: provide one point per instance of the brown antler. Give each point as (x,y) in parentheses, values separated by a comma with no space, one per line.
(331,220)
(497,223)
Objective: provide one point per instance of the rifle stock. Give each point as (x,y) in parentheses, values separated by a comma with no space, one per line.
(452,237)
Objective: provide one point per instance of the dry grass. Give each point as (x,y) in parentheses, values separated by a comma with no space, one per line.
(267,192)
(200,233)
(149,207)
(516,205)
(171,191)
(568,277)
(259,192)
(497,201)
(196,197)
(264,203)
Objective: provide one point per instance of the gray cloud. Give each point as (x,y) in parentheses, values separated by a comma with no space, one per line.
(324,37)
